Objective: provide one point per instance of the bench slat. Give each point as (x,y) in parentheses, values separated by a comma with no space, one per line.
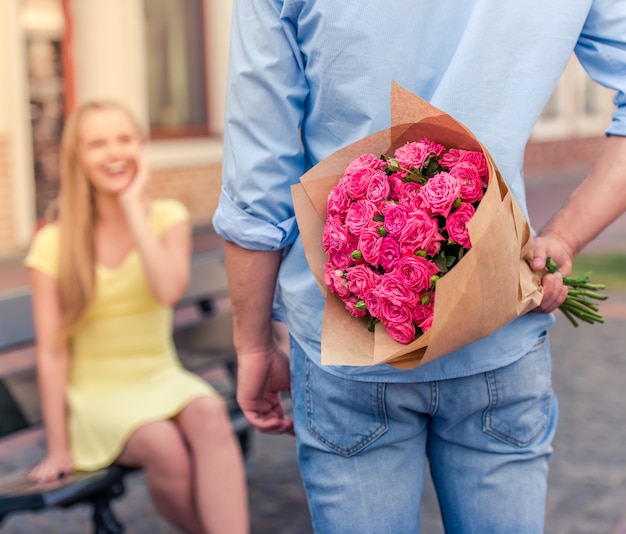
(16,322)
(12,419)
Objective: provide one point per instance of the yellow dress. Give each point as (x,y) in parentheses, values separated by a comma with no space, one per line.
(124,370)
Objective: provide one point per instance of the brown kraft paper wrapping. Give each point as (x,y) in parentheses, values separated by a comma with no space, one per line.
(491,285)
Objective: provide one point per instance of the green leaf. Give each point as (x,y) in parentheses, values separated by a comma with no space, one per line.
(441,263)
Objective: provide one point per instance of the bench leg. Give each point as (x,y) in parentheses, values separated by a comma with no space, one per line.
(104,520)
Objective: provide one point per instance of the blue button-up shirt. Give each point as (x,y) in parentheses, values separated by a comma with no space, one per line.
(308,77)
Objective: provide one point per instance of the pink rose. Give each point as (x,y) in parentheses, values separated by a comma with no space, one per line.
(350,304)
(338,201)
(357,182)
(396,216)
(476,159)
(389,253)
(435,148)
(426,324)
(395,184)
(408,194)
(335,236)
(470,180)
(413,154)
(401,332)
(423,312)
(394,292)
(360,216)
(342,259)
(366,161)
(420,232)
(372,302)
(473,157)
(456,224)
(439,193)
(358,174)
(378,188)
(361,279)
(369,245)
(414,272)
(450,158)
(335,281)
(389,312)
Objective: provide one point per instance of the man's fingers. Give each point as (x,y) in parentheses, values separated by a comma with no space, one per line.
(554,293)
(271,424)
(538,263)
(270,419)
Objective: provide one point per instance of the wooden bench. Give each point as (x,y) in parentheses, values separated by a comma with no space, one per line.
(203,336)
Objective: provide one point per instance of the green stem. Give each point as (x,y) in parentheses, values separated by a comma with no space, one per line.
(577,304)
(569,316)
(584,302)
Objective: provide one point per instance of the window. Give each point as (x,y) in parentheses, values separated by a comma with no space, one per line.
(176,68)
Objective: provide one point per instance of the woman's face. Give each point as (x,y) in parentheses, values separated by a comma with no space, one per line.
(109,147)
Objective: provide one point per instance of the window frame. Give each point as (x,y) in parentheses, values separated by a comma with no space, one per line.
(163,133)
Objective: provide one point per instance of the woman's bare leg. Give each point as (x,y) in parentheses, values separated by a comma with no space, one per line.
(220,482)
(161,451)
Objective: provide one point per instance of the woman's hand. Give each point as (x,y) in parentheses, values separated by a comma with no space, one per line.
(135,190)
(52,467)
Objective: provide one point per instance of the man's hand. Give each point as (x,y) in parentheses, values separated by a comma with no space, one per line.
(261,377)
(554,292)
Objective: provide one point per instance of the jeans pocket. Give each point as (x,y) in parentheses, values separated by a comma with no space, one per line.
(520,397)
(344,415)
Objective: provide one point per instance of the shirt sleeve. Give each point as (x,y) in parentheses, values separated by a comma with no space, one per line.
(44,252)
(167,212)
(263,156)
(601,49)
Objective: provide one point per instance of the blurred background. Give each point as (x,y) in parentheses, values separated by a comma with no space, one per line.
(166,60)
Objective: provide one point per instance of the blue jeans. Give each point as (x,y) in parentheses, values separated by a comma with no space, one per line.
(362,448)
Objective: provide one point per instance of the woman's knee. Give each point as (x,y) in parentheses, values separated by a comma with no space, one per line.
(158,445)
(205,419)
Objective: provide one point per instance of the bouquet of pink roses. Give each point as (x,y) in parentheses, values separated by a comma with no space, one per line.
(397,224)
(387,238)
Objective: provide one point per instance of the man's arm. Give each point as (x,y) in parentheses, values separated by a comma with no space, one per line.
(594,205)
(263,367)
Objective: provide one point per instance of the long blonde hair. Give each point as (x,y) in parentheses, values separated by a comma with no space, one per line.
(76,218)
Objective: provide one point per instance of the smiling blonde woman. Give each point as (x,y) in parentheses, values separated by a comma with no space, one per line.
(104,275)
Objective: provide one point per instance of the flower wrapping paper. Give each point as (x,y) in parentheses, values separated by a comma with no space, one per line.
(490,286)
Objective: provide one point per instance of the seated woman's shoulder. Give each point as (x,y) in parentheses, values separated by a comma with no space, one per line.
(168,211)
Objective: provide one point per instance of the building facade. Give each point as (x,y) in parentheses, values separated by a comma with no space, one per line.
(166,60)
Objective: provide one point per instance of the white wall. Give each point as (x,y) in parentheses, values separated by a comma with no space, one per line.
(15,120)
(217,24)
(108,52)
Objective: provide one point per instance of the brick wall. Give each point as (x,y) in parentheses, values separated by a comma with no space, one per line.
(196,187)
(7,228)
